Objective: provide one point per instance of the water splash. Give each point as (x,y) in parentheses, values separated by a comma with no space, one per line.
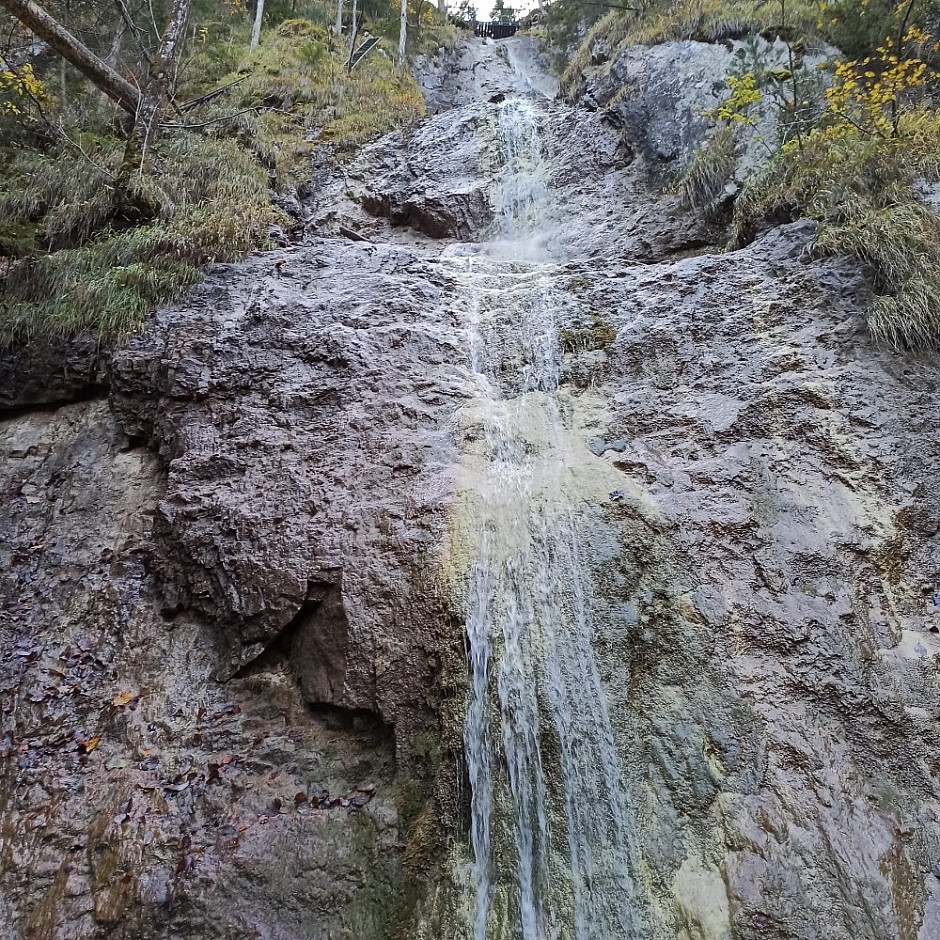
(551,829)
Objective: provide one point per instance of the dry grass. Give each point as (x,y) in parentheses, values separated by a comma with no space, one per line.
(702,183)
(70,269)
(106,281)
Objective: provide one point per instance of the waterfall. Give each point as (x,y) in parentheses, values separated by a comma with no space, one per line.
(551,825)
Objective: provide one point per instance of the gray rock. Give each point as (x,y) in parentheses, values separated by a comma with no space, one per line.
(222,596)
(671,87)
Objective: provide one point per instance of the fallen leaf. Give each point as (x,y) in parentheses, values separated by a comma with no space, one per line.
(122,698)
(92,744)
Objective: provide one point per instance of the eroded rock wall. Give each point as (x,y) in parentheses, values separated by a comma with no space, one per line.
(225,644)
(780,623)
(233,684)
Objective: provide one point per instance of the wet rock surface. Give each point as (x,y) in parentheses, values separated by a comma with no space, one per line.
(232,676)
(141,798)
(783,648)
(302,420)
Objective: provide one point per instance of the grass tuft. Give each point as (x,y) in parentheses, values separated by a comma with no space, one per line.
(702,183)
(88,276)
(69,264)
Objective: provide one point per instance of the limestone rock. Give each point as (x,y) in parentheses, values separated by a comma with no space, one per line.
(233,676)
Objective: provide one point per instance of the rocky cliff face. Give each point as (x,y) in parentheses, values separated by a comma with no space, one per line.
(232,608)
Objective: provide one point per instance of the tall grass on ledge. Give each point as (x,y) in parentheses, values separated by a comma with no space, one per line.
(85,276)
(67,266)
(862,191)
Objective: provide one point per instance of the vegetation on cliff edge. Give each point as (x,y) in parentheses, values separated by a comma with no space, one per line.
(858,152)
(73,259)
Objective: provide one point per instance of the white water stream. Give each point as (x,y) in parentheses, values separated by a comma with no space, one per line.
(552,828)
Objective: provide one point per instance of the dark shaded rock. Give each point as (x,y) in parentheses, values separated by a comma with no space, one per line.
(152,785)
(52,372)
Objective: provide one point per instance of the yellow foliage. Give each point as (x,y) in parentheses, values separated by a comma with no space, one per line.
(733,110)
(17,86)
(868,95)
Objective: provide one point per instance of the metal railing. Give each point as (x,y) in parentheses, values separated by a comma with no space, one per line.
(496,29)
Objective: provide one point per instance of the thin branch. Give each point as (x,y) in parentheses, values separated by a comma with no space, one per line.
(81,150)
(134,28)
(153,19)
(202,99)
(227,117)
(902,57)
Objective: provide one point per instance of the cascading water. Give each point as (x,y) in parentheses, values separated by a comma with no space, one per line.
(552,831)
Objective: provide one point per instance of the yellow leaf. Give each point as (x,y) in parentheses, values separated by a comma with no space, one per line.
(122,698)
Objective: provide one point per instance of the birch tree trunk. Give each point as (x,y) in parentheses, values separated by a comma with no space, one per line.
(99,73)
(339,17)
(134,205)
(256,29)
(403,34)
(353,29)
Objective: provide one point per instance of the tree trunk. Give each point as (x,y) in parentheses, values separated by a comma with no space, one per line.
(403,34)
(339,16)
(132,204)
(256,29)
(99,73)
(442,7)
(116,44)
(353,29)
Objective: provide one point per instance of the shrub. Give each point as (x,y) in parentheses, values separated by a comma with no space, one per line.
(860,189)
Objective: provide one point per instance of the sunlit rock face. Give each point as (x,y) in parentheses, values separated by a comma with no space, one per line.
(497,563)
